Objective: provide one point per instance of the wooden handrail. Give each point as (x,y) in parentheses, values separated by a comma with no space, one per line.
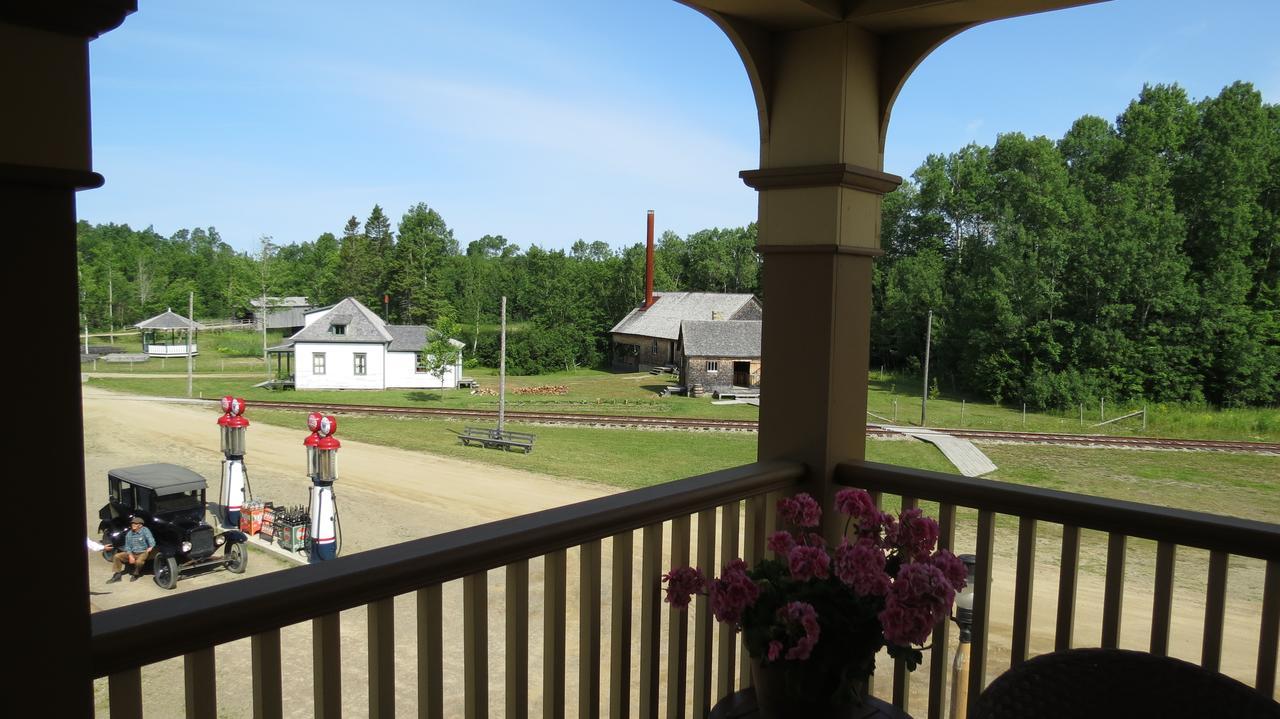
(147,632)
(1241,537)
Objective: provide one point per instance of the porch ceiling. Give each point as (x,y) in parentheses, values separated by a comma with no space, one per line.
(879,16)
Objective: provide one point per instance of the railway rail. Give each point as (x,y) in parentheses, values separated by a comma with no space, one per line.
(680,423)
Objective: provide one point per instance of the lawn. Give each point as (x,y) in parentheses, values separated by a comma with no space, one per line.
(893,398)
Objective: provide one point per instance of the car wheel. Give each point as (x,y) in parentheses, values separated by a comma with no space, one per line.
(107,554)
(237,558)
(166,572)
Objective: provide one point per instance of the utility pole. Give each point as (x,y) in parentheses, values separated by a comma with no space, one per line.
(924,395)
(266,363)
(191,320)
(111,316)
(502,369)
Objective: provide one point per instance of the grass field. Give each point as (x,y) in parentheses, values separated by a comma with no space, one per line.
(605,392)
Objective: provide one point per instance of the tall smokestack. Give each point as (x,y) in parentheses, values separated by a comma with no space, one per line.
(648,265)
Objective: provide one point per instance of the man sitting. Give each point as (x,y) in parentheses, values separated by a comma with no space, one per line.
(138,543)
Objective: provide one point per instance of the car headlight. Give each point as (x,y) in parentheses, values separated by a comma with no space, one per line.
(186,546)
(219,540)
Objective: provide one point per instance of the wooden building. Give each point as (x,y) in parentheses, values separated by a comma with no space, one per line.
(649,335)
(720,354)
(348,346)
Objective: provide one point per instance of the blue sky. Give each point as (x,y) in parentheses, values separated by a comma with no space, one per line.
(550,122)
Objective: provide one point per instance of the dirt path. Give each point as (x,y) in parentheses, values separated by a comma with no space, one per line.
(388,495)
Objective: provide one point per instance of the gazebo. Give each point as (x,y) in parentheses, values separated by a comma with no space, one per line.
(169,334)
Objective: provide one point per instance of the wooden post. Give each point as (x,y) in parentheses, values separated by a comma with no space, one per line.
(1024,416)
(960,682)
(924,394)
(191,314)
(961,413)
(502,369)
(1144,418)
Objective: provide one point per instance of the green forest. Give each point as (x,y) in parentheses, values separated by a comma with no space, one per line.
(1134,259)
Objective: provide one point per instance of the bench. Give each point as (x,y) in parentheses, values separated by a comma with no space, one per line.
(468,382)
(501,439)
(126,357)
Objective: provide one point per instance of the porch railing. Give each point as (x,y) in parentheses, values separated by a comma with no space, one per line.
(731,515)
(1031,506)
(191,624)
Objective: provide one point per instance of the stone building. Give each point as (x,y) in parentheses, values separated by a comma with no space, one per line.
(720,354)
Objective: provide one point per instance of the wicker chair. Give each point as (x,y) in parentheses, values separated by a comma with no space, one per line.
(1092,683)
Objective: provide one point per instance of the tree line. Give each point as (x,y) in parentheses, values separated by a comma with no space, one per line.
(1134,259)
(561,303)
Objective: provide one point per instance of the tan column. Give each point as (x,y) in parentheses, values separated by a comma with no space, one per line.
(44,159)
(820,187)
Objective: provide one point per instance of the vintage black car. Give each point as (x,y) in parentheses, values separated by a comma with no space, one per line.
(170,500)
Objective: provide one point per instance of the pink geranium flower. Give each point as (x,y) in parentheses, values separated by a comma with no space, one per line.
(781,543)
(682,583)
(732,593)
(803,616)
(915,535)
(801,510)
(806,563)
(861,566)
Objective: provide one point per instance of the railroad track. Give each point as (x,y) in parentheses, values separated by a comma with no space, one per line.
(745,425)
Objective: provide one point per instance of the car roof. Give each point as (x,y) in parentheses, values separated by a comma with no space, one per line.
(163,478)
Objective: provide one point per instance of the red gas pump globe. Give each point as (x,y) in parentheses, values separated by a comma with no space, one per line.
(313,421)
(328,426)
(226,404)
(236,419)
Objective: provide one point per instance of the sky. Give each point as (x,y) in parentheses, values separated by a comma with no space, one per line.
(562,120)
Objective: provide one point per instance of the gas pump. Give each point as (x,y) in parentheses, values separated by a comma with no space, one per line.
(322,467)
(234,491)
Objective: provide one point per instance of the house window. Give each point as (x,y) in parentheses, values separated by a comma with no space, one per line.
(713,365)
(317,363)
(361,366)
(338,329)
(420,363)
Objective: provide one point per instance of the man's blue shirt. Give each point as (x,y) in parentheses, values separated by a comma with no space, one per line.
(139,541)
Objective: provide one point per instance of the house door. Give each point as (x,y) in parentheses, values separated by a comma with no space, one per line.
(741,374)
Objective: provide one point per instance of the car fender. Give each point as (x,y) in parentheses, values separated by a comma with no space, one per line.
(165,548)
(233,536)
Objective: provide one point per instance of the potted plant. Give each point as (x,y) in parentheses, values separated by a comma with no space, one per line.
(814,617)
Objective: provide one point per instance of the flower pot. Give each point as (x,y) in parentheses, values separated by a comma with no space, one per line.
(774,702)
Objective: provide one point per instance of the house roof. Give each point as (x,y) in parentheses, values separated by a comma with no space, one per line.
(168,320)
(411,338)
(362,325)
(720,338)
(280,302)
(671,308)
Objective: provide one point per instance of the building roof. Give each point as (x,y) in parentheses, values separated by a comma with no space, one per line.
(412,338)
(280,302)
(362,326)
(169,320)
(720,338)
(671,308)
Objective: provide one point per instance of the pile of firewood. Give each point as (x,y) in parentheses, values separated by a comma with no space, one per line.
(542,389)
(485,392)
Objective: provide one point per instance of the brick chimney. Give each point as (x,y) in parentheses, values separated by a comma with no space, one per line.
(648,265)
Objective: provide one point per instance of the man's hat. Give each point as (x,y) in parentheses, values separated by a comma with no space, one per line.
(136,520)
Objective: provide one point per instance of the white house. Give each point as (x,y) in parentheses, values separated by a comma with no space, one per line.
(347,346)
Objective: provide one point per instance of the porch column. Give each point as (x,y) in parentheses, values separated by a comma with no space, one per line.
(44,160)
(819,222)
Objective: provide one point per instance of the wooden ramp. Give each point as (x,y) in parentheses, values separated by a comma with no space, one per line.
(967,458)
